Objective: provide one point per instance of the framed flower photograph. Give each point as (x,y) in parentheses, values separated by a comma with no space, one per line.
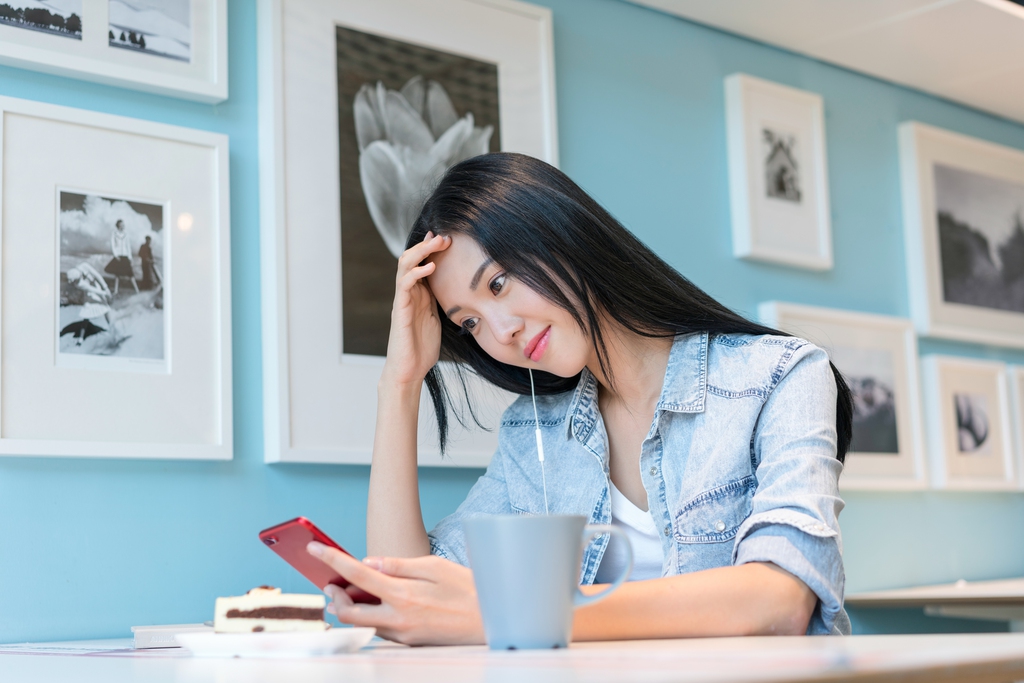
(877,356)
(364,104)
(778,176)
(970,439)
(171,47)
(963,215)
(115,324)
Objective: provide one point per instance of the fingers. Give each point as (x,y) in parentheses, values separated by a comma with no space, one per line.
(353,570)
(415,254)
(407,281)
(338,596)
(425,567)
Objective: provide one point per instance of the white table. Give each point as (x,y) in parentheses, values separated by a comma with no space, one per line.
(1001,600)
(979,658)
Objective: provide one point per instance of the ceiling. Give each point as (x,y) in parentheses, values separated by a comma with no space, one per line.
(969,51)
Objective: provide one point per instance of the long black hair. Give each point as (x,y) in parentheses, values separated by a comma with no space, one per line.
(545,231)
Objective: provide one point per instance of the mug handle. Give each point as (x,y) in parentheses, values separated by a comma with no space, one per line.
(579,600)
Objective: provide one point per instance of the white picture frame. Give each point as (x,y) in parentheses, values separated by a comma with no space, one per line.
(959,198)
(202,76)
(1015,378)
(970,439)
(877,355)
(778,174)
(178,406)
(320,402)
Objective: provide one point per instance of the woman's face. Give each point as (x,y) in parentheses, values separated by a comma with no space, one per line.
(511,322)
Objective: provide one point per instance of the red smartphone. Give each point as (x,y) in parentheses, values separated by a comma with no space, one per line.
(289,540)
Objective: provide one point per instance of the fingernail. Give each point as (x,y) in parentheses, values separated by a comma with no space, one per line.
(330,609)
(374,562)
(315,549)
(329,590)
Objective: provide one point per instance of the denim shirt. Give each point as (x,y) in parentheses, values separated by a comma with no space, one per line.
(739,465)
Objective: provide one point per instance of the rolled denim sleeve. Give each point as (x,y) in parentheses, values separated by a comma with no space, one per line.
(795,508)
(489,495)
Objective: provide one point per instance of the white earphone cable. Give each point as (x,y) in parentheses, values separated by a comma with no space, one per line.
(540,443)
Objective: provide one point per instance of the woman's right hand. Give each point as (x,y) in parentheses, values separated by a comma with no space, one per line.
(414,343)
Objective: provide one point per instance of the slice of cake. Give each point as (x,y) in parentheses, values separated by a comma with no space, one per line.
(268,609)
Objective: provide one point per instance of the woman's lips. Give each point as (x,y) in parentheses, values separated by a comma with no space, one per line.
(535,349)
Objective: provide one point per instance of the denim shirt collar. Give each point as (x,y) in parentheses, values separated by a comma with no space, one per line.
(683,391)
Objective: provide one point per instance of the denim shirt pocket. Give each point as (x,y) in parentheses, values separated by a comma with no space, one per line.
(716,515)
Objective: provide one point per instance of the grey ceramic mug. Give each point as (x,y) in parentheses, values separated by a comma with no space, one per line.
(526,570)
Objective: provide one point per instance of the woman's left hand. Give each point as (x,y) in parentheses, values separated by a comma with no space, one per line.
(424,600)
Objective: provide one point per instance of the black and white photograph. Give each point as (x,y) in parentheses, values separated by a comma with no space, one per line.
(972,424)
(872,380)
(981,239)
(969,423)
(778,173)
(112,287)
(156,27)
(406,114)
(781,170)
(60,17)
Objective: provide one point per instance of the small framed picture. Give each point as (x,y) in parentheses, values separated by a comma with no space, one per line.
(112,271)
(963,216)
(115,323)
(778,178)
(970,439)
(877,356)
(171,47)
(1015,376)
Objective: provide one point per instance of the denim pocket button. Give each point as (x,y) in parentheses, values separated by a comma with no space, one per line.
(719,526)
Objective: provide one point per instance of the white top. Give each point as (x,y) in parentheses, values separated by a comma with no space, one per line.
(643,536)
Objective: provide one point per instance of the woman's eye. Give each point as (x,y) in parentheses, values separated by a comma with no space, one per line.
(468,326)
(498,283)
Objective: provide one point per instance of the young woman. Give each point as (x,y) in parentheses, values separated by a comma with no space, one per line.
(715,443)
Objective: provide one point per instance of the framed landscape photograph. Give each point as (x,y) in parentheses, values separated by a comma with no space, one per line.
(170,47)
(364,104)
(963,214)
(115,324)
(970,438)
(778,175)
(877,356)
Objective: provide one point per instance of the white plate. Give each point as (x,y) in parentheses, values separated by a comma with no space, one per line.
(294,644)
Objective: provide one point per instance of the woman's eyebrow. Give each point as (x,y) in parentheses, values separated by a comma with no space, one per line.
(479,273)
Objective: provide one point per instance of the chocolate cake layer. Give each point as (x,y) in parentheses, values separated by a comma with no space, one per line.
(306,614)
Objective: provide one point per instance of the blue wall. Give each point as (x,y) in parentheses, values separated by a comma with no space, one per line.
(92,547)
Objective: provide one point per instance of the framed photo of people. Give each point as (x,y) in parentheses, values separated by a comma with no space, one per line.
(363,106)
(970,438)
(170,47)
(115,337)
(877,355)
(963,216)
(778,174)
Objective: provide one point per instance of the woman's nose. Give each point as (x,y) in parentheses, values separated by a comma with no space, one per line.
(506,327)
